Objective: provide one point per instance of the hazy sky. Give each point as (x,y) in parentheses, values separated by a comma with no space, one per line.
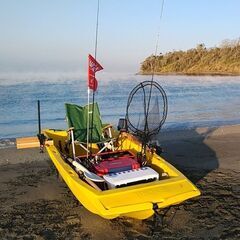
(57,35)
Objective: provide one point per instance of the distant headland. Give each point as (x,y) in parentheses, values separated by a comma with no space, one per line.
(222,60)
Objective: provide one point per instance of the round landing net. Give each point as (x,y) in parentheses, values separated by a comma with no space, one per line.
(146,109)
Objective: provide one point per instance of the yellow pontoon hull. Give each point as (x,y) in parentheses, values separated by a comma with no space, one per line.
(134,201)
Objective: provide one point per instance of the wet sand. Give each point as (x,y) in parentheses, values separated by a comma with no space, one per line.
(35,204)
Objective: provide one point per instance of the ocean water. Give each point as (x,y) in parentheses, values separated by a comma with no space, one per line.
(193,101)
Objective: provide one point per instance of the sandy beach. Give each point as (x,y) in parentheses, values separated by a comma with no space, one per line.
(36,204)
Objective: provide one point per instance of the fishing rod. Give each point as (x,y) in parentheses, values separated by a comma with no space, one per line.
(154,63)
(153,66)
(151,118)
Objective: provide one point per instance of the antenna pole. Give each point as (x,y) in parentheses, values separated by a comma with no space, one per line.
(96,37)
(95,56)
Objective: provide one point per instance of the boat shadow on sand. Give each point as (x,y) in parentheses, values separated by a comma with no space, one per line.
(188,151)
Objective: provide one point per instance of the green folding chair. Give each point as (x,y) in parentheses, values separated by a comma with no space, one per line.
(98,133)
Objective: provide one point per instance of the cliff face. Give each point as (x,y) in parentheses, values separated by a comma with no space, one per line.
(199,60)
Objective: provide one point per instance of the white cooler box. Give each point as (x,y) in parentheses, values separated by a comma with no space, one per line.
(131,177)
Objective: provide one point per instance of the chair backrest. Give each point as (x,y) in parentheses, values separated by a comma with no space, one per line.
(77,118)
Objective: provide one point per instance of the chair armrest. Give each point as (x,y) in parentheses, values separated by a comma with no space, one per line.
(70,129)
(106,126)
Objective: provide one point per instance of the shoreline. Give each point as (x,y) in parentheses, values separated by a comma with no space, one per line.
(190,74)
(11,141)
(36,204)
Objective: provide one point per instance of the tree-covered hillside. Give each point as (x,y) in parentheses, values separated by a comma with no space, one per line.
(200,60)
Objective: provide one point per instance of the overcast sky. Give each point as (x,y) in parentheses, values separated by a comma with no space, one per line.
(57,35)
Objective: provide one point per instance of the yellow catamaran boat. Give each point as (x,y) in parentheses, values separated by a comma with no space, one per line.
(136,201)
(116,178)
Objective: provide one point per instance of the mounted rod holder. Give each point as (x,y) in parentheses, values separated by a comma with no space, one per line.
(122,125)
(39,117)
(41,137)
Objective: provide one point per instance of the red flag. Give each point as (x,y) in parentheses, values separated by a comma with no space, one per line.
(93,67)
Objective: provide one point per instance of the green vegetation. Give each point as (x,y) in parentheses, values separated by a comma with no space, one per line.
(224,59)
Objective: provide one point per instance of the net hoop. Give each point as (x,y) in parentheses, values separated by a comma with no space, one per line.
(135,129)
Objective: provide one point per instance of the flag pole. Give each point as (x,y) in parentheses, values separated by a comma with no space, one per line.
(91,132)
(88,120)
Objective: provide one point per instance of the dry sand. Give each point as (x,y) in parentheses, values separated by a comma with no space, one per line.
(35,204)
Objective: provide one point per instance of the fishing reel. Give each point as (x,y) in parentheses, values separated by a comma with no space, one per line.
(155,147)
